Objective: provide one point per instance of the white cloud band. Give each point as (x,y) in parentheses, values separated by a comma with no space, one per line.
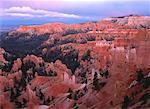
(30,12)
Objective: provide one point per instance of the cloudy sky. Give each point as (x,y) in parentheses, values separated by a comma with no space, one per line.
(30,12)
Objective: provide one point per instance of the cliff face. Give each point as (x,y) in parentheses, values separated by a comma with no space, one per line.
(104,64)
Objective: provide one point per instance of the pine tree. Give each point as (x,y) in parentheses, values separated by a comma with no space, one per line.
(95,81)
(106,74)
(12,95)
(41,95)
(24,102)
(126,102)
(140,76)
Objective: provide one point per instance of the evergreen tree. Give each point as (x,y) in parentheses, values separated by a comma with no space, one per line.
(86,55)
(75,106)
(48,100)
(24,102)
(140,76)
(106,74)
(70,90)
(12,95)
(126,102)
(95,81)
(41,95)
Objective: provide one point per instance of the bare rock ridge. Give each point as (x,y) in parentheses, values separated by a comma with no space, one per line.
(94,65)
(122,22)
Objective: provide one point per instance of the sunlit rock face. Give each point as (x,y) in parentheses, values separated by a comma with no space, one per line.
(17,65)
(95,65)
(2,59)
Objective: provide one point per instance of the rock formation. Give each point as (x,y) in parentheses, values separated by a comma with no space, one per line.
(104,64)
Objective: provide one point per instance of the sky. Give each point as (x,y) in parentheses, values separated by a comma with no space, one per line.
(35,12)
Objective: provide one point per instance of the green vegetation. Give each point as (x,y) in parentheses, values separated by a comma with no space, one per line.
(145,98)
(126,102)
(140,76)
(96,81)
(75,106)
(86,55)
